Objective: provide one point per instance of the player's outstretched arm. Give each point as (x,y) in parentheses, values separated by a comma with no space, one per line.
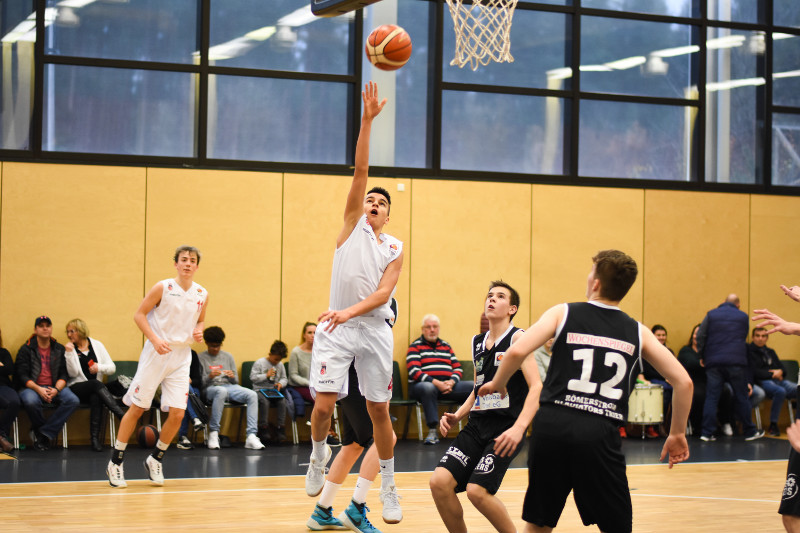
(381,295)
(448,420)
(535,336)
(151,299)
(354,207)
(778,324)
(792,292)
(507,442)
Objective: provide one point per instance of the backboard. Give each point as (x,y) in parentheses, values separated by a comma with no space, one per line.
(334,8)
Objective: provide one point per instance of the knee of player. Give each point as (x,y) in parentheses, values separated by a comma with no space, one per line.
(380,408)
(442,482)
(477,494)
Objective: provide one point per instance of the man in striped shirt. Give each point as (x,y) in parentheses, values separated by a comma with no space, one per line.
(434,374)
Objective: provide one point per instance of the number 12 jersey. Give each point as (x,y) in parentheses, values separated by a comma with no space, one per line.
(596,358)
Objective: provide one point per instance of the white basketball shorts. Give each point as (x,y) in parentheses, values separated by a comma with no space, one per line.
(170,370)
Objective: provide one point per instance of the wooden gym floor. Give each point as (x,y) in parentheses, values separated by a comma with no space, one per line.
(728,485)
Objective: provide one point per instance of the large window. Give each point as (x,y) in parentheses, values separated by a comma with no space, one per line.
(690,93)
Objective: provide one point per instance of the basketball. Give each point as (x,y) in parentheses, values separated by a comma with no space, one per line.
(148,436)
(388,47)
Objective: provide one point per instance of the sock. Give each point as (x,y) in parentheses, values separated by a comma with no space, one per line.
(387,473)
(161,448)
(328,493)
(361,490)
(119,452)
(318,449)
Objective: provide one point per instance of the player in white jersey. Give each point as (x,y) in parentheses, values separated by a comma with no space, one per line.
(366,266)
(171,317)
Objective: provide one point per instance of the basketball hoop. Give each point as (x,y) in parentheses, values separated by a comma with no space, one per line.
(483,31)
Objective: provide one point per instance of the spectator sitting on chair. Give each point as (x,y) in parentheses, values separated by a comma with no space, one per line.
(196,377)
(220,382)
(434,374)
(770,374)
(42,375)
(87,362)
(269,373)
(9,399)
(650,376)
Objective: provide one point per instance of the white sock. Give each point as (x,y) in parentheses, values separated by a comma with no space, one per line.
(162,445)
(119,445)
(318,449)
(387,473)
(361,490)
(329,491)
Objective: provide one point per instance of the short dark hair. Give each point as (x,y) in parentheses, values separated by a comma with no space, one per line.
(757,328)
(658,327)
(514,295)
(381,190)
(278,348)
(186,248)
(691,334)
(616,271)
(214,335)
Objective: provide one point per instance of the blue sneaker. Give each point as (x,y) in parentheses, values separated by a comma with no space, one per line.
(355,518)
(322,519)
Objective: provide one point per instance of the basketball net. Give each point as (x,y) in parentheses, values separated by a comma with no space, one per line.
(483,31)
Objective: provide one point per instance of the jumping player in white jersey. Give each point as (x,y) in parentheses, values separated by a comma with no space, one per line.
(171,316)
(366,266)
(575,443)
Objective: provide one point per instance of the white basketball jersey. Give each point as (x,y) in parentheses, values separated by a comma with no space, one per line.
(358,266)
(175,317)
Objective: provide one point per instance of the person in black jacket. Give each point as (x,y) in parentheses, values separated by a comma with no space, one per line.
(769,372)
(41,371)
(196,375)
(9,399)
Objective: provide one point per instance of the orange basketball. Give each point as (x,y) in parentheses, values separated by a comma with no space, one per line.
(388,47)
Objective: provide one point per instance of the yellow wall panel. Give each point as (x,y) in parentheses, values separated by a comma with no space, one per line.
(570,225)
(774,260)
(72,246)
(464,235)
(234,218)
(313,218)
(696,253)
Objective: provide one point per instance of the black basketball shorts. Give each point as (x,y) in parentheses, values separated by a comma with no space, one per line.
(790,500)
(580,452)
(471,457)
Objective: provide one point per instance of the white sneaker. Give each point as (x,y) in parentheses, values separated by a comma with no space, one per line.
(197,424)
(213,440)
(116,477)
(253,443)
(392,513)
(154,471)
(727,430)
(315,476)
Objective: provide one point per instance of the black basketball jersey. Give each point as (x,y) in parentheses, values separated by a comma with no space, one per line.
(486,362)
(595,361)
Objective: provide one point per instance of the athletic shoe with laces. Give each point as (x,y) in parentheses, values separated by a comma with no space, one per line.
(315,476)
(116,475)
(184,443)
(431,438)
(755,436)
(727,430)
(252,442)
(154,471)
(392,513)
(197,424)
(355,518)
(322,518)
(708,438)
(213,440)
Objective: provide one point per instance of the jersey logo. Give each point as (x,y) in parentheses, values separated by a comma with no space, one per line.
(479,365)
(390,384)
(323,369)
(486,464)
(498,358)
(790,489)
(169,286)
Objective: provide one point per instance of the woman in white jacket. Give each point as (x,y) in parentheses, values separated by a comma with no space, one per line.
(87,362)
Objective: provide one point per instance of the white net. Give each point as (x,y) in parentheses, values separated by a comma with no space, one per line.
(483,31)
